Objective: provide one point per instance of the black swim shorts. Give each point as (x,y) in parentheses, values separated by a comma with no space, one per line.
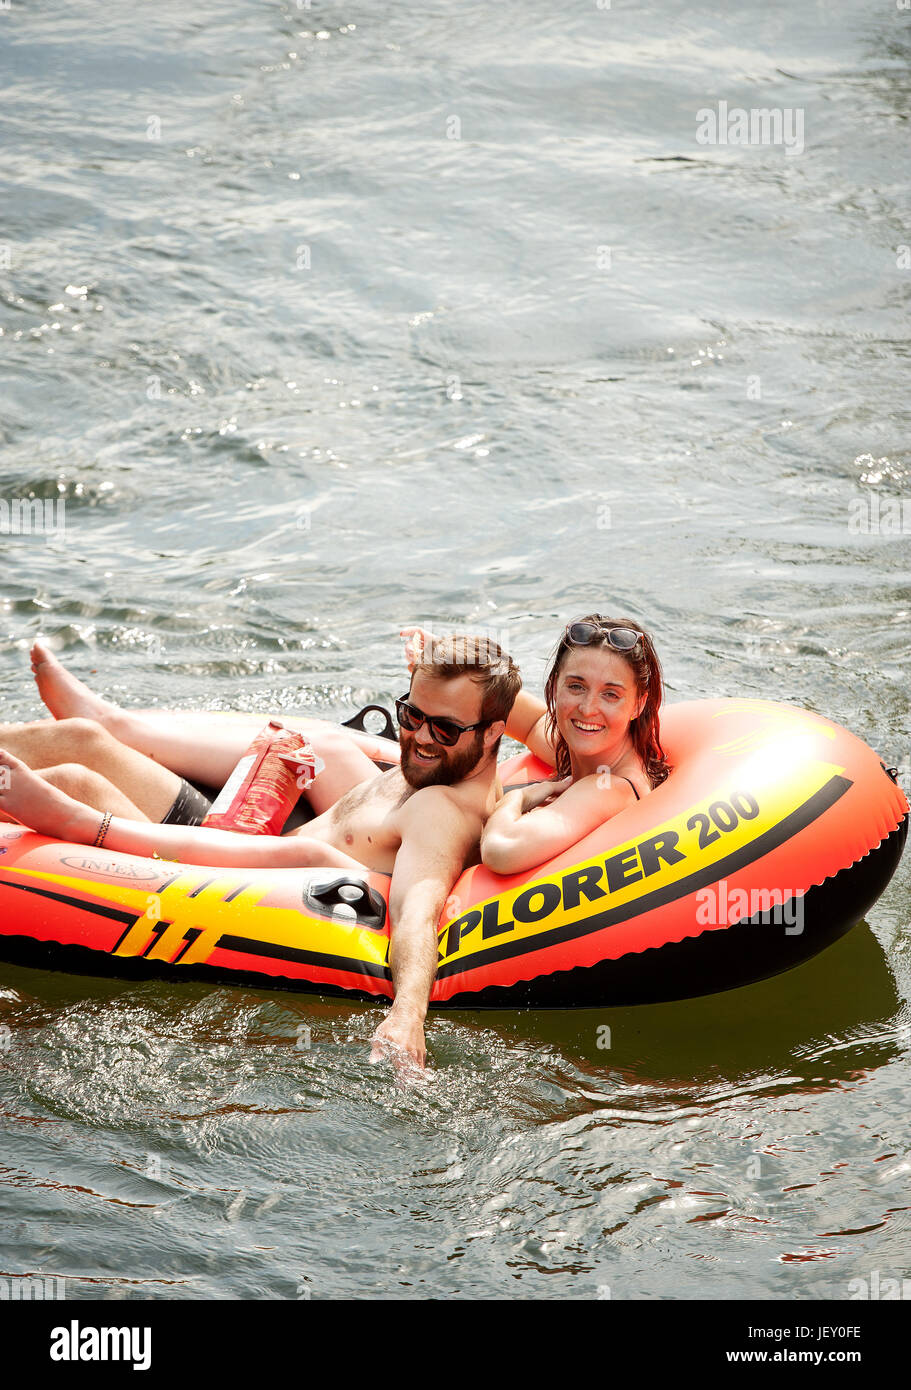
(190,807)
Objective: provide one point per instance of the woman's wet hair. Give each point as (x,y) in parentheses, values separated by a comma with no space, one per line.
(642,660)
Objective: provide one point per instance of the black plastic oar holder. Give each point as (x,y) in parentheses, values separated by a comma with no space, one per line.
(324,895)
(357,722)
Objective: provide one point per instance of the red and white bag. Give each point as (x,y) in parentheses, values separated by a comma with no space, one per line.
(263,789)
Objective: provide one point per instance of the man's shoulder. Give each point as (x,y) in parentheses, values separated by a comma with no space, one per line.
(434,798)
(437,804)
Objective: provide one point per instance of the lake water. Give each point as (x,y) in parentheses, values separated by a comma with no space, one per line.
(324,318)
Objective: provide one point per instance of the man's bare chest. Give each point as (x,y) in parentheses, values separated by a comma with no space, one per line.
(369,812)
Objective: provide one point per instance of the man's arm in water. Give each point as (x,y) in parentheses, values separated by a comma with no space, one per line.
(436,840)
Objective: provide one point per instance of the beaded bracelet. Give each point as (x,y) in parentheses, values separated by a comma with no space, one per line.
(102,830)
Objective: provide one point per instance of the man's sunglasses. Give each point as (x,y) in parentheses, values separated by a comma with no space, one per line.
(444,731)
(622,639)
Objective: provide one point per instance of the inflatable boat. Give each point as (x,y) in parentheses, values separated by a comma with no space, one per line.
(774,834)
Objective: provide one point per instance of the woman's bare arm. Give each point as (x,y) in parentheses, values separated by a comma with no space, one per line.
(526,724)
(516,837)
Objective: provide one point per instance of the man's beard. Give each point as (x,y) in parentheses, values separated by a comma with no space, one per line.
(452,767)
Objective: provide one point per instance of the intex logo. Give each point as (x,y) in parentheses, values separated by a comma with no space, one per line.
(105,866)
(75,1343)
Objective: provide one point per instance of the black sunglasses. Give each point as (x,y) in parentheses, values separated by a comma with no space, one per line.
(444,731)
(622,639)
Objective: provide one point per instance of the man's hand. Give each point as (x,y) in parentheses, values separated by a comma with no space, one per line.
(539,793)
(417,642)
(436,838)
(401,1037)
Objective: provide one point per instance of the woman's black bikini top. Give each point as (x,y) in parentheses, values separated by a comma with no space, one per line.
(638,797)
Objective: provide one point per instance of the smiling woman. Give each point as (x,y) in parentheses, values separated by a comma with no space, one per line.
(600,729)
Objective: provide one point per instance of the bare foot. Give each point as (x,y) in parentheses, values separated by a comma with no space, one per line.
(33,802)
(65,696)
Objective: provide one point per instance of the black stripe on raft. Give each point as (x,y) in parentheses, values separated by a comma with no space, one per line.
(271,951)
(189,937)
(114,913)
(804,815)
(235,892)
(126,931)
(82,960)
(726,958)
(157,931)
(200,886)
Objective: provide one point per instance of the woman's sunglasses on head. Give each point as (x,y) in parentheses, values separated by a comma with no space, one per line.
(444,731)
(622,639)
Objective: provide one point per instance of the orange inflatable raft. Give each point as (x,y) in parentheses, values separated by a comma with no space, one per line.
(775,832)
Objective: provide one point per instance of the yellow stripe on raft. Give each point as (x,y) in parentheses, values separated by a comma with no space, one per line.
(208,913)
(636,866)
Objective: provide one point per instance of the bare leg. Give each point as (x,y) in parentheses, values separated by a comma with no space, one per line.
(89,788)
(67,697)
(34,802)
(143,783)
(378,750)
(204,753)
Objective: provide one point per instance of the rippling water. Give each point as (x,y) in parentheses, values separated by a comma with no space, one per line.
(324,318)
